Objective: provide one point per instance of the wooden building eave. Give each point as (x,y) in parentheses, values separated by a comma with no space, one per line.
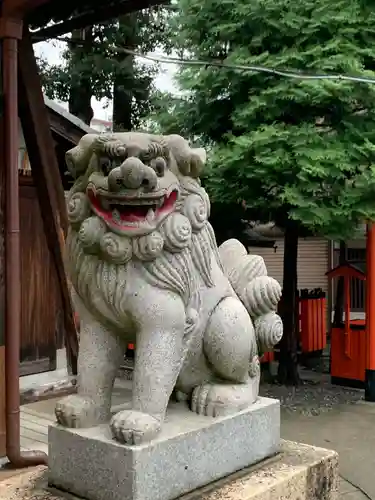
(66,125)
(94,15)
(18,9)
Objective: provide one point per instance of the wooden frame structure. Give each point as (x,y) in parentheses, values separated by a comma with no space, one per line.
(353,343)
(22,97)
(348,337)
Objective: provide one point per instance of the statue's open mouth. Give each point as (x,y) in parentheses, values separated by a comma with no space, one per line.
(129,212)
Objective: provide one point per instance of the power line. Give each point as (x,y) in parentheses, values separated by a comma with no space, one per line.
(236,67)
(239,67)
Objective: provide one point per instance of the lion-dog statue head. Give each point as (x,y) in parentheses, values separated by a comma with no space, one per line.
(131,180)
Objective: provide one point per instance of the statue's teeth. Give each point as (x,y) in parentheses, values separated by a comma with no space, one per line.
(129,223)
(150,215)
(116,215)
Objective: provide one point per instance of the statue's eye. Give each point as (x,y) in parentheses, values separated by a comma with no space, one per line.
(159,165)
(117,162)
(105,165)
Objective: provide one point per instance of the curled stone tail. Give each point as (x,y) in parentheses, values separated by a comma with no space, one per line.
(258,292)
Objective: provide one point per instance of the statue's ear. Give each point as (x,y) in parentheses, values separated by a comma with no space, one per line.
(197,160)
(201,152)
(78,158)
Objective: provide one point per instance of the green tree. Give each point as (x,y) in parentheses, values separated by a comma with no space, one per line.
(95,65)
(299,152)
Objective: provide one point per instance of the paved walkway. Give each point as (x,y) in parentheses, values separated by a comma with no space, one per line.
(348,429)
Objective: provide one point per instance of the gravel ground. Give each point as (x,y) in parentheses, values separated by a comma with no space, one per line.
(314,396)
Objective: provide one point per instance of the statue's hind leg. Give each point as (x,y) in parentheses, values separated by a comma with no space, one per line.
(230,347)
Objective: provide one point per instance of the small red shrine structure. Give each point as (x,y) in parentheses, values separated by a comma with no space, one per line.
(348,336)
(353,340)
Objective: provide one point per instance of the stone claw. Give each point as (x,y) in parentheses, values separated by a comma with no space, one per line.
(219,400)
(202,402)
(77,411)
(134,427)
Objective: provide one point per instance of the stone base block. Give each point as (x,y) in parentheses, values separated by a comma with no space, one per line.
(299,472)
(191,451)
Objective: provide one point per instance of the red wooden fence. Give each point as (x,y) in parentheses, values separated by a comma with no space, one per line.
(312,323)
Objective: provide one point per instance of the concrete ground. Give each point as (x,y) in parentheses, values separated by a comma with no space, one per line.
(347,429)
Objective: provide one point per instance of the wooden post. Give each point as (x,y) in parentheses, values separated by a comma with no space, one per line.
(2,402)
(2,296)
(370,315)
(46,175)
(347,331)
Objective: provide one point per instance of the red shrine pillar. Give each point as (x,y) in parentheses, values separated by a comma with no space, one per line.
(370,315)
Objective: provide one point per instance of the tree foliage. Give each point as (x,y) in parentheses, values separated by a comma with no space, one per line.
(300,152)
(94,61)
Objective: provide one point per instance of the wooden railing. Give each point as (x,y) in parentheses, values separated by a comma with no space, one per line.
(313,320)
(312,317)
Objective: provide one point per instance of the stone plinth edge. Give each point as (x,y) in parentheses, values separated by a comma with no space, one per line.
(299,472)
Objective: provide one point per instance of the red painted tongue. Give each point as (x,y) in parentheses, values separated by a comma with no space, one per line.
(169,202)
(133,210)
(133,213)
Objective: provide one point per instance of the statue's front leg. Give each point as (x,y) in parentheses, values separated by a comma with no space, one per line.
(159,356)
(100,354)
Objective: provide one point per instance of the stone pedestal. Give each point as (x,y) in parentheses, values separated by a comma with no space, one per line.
(191,451)
(298,472)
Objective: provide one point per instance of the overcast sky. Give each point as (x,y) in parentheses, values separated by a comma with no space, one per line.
(52,52)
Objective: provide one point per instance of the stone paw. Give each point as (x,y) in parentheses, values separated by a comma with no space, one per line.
(134,427)
(181,397)
(77,411)
(219,400)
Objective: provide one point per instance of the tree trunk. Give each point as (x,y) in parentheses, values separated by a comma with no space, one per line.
(288,360)
(80,91)
(339,303)
(123,84)
(123,96)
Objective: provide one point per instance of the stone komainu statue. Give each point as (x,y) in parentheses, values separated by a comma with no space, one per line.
(145,268)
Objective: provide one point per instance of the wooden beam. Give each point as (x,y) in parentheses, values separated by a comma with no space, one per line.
(2,403)
(34,109)
(19,8)
(98,15)
(46,175)
(2,295)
